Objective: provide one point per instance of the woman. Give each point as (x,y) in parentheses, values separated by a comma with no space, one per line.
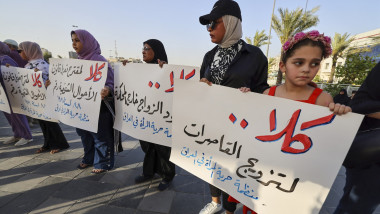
(232,63)
(156,158)
(98,147)
(54,140)
(18,122)
(361,191)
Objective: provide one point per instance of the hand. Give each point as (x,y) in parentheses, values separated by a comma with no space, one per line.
(47,83)
(7,65)
(339,109)
(105,91)
(125,62)
(245,89)
(161,63)
(205,81)
(36,69)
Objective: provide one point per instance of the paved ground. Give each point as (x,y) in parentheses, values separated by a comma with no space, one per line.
(45,183)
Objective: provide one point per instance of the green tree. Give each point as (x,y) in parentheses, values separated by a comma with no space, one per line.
(259,39)
(291,22)
(339,44)
(47,56)
(355,69)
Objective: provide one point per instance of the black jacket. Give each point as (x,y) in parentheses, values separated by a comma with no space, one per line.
(367,99)
(248,69)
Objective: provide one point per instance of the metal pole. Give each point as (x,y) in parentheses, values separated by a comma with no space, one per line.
(270,27)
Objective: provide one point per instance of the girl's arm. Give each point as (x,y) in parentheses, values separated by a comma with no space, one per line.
(326,99)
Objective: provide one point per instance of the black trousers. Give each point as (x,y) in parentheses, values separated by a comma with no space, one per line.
(215,192)
(53,135)
(156,160)
(361,194)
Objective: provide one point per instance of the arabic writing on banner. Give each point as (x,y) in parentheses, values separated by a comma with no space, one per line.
(26,92)
(4,104)
(74,94)
(144,97)
(272,154)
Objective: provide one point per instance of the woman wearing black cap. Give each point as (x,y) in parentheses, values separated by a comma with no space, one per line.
(156,158)
(232,63)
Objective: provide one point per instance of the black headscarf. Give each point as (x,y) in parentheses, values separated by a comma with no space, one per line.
(158,49)
(342,98)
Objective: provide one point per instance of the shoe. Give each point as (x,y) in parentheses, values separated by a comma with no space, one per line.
(10,140)
(211,208)
(23,141)
(83,166)
(98,171)
(142,178)
(163,185)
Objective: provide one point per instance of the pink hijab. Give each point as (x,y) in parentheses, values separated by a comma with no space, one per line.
(32,50)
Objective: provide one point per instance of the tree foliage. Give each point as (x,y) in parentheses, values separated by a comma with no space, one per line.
(291,22)
(339,44)
(260,39)
(355,69)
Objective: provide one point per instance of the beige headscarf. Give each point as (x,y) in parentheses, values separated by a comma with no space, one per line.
(233,33)
(32,50)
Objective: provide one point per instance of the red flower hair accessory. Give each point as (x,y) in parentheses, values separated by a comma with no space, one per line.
(313,35)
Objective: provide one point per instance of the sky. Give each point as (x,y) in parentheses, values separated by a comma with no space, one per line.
(174,22)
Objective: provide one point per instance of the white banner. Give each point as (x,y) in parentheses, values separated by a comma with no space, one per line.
(4,104)
(272,154)
(74,94)
(144,98)
(26,92)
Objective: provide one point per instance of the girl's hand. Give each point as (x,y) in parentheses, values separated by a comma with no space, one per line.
(125,62)
(47,83)
(161,63)
(104,92)
(7,65)
(36,69)
(245,89)
(205,81)
(339,109)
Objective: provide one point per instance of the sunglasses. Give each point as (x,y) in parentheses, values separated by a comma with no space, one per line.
(212,24)
(19,51)
(146,49)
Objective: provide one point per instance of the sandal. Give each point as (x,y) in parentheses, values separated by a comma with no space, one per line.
(83,166)
(41,150)
(98,171)
(53,151)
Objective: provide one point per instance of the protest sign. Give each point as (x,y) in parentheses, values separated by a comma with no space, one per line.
(144,96)
(4,104)
(272,154)
(74,93)
(26,92)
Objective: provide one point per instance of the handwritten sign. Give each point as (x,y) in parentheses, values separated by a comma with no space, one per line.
(272,154)
(26,92)
(74,93)
(144,97)
(4,104)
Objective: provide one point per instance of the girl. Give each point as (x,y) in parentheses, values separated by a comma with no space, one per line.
(98,147)
(54,140)
(300,61)
(232,63)
(301,58)
(18,122)
(156,158)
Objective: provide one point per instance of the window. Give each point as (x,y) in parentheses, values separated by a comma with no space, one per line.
(327,65)
(339,64)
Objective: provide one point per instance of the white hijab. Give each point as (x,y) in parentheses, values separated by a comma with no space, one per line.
(233,33)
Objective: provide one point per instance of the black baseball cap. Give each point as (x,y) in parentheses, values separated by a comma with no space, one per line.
(221,8)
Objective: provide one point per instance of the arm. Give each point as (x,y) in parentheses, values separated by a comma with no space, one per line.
(325,99)
(259,84)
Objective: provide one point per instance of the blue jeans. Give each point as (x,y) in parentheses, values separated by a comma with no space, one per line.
(99,147)
(361,192)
